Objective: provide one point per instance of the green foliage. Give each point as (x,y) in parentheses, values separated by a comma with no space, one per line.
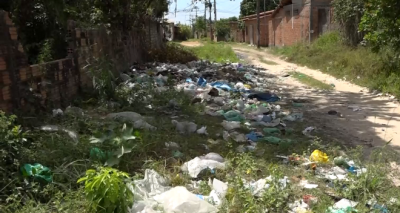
(185,31)
(46,53)
(120,141)
(200,24)
(172,53)
(11,148)
(222,27)
(348,15)
(107,190)
(381,22)
(249,7)
(217,52)
(102,72)
(330,55)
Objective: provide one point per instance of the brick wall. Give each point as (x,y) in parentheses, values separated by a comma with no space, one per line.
(252,24)
(292,23)
(236,33)
(32,88)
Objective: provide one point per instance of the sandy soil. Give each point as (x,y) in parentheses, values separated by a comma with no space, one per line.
(191,43)
(375,123)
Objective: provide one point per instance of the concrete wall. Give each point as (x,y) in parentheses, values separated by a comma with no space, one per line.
(33,88)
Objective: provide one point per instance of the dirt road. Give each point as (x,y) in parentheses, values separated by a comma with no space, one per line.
(370,120)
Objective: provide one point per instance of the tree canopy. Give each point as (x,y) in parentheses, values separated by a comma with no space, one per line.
(249,7)
(381,23)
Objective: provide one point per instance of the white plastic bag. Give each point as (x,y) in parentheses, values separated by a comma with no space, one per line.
(180,200)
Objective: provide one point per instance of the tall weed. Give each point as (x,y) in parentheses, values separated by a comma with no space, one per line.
(380,71)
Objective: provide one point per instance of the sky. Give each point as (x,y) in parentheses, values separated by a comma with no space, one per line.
(225,9)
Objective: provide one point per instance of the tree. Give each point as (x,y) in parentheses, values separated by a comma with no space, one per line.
(222,27)
(200,24)
(381,23)
(249,7)
(233,18)
(347,15)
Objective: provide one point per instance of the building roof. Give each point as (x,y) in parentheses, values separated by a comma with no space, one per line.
(271,13)
(282,3)
(262,14)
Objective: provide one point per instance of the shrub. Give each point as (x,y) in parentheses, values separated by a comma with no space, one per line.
(107,190)
(172,53)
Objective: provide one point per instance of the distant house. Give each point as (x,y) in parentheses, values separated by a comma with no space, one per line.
(291,22)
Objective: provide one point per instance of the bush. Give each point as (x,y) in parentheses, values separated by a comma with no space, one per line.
(107,190)
(172,53)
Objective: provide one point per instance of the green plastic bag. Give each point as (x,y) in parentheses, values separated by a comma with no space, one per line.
(233,116)
(275,140)
(38,172)
(271,130)
(272,139)
(97,154)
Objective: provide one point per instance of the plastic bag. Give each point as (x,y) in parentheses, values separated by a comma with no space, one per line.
(319,156)
(185,127)
(233,116)
(229,125)
(198,164)
(54,128)
(38,172)
(180,200)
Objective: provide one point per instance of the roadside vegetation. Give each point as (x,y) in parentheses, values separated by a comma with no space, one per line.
(378,71)
(364,51)
(310,81)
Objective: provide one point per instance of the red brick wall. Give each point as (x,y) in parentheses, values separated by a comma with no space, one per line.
(287,29)
(263,30)
(44,86)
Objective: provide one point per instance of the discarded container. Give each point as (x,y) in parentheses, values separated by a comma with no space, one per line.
(38,172)
(319,156)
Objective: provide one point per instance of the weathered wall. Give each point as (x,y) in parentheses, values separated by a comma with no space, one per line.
(53,84)
(263,30)
(292,23)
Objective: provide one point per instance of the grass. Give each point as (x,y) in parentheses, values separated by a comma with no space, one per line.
(310,81)
(265,61)
(217,52)
(70,161)
(360,65)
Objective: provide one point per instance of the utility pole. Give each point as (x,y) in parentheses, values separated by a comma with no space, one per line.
(211,27)
(258,24)
(215,11)
(205,14)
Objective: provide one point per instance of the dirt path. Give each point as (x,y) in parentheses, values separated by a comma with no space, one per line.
(191,43)
(376,123)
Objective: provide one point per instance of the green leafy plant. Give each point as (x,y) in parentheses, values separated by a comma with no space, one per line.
(121,142)
(103,75)
(107,190)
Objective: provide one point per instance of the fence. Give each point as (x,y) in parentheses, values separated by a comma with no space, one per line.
(31,88)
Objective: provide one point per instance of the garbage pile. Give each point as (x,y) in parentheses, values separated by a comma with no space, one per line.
(251,113)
